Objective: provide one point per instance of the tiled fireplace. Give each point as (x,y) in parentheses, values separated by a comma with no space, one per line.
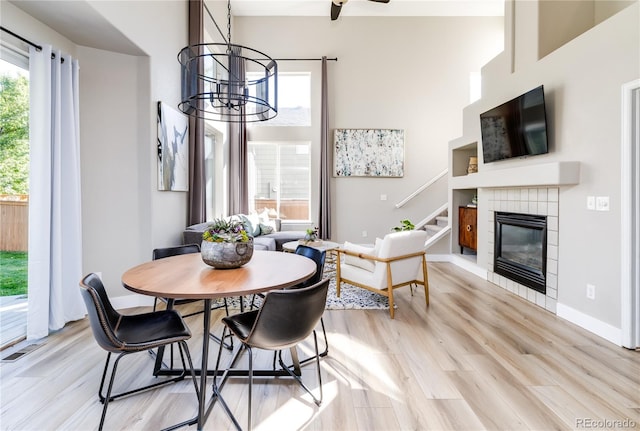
(533,201)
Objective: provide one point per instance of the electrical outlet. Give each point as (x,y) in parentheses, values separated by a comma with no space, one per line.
(591,291)
(364,233)
(591,202)
(602,203)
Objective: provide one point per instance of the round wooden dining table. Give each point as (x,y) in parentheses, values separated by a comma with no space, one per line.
(188,277)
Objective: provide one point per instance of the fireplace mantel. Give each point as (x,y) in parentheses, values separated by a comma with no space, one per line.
(545,174)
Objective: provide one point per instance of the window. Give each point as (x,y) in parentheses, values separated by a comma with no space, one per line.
(280,179)
(475,86)
(294,99)
(14,193)
(213,171)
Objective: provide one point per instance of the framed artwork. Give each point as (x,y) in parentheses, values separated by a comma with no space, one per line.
(173,149)
(368,152)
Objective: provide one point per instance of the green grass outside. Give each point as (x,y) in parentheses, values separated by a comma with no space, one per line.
(13,273)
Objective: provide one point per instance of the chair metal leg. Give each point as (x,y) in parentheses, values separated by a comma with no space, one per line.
(184,349)
(298,378)
(216,388)
(326,340)
(220,340)
(250,385)
(324,353)
(315,341)
(106,398)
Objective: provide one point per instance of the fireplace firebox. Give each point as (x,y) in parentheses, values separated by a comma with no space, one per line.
(521,249)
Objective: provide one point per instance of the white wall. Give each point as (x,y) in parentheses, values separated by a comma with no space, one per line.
(142,218)
(582,81)
(114,193)
(407,73)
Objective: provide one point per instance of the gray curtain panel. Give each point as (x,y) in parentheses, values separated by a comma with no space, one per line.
(197,192)
(325,160)
(238,188)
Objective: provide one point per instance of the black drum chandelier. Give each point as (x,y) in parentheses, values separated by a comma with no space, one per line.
(228,82)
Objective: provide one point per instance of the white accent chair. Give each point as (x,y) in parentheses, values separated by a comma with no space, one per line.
(399,259)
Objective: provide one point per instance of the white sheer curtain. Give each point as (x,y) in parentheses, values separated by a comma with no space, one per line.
(55,235)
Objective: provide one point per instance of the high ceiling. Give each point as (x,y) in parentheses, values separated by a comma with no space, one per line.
(78,21)
(369,8)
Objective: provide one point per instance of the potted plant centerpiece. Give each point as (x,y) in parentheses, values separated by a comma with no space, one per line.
(226,244)
(310,237)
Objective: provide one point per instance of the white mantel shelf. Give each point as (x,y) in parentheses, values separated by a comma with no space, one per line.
(545,174)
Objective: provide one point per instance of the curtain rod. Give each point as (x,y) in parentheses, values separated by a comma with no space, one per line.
(28,42)
(305,59)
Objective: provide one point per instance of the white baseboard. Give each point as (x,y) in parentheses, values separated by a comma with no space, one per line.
(130,301)
(468,266)
(438,257)
(463,263)
(591,324)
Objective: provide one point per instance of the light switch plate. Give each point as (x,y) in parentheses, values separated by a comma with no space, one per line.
(591,202)
(602,203)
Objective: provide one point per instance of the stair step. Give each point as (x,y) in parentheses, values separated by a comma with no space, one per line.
(432,228)
(442,221)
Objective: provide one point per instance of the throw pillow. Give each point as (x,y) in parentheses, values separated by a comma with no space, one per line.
(269,222)
(251,224)
(266,229)
(367,264)
(255,223)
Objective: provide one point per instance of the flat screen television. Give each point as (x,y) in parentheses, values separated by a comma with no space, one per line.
(517,128)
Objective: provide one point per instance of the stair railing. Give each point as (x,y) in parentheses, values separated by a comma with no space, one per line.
(421,189)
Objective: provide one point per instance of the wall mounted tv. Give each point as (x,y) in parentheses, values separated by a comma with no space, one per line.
(516,128)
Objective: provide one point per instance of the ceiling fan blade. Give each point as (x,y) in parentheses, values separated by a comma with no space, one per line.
(335,11)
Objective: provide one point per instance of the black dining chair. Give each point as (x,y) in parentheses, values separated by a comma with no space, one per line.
(285,319)
(318,256)
(126,334)
(161,253)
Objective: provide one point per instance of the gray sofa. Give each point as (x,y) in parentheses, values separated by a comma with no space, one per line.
(272,241)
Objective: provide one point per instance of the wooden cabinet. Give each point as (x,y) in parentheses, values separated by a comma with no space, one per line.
(467,228)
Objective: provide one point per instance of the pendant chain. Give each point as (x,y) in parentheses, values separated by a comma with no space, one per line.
(229,21)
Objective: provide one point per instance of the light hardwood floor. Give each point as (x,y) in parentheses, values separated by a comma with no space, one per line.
(479,358)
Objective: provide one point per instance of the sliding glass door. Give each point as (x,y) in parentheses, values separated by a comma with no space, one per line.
(14,195)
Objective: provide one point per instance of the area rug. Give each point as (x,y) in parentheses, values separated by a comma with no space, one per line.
(351,298)
(354,298)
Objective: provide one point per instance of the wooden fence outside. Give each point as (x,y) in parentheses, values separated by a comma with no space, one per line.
(14,223)
(293,209)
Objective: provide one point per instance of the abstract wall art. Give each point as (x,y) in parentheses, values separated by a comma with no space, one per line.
(368,152)
(173,149)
